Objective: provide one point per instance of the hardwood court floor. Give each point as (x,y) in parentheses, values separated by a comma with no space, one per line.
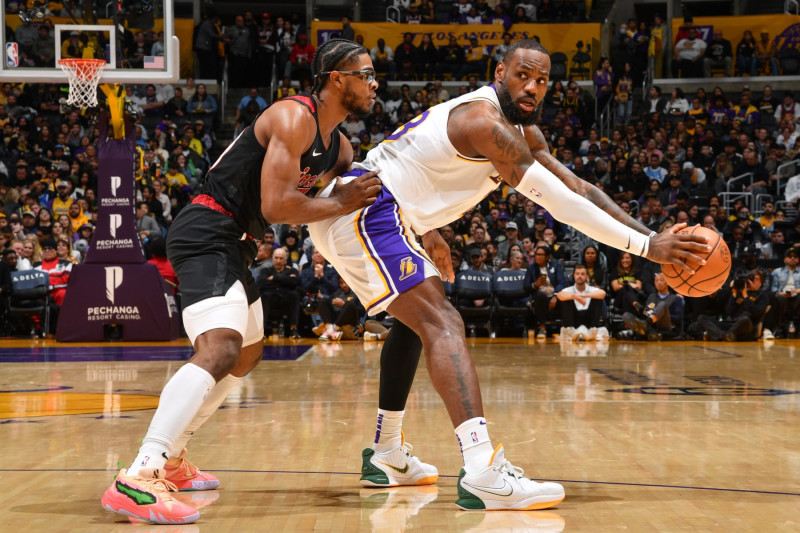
(645,437)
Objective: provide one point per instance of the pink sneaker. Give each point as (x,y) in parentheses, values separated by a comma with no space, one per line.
(184,475)
(147,497)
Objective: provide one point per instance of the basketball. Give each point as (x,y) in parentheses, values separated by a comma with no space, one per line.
(707,278)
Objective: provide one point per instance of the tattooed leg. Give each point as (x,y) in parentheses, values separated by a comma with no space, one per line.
(426,311)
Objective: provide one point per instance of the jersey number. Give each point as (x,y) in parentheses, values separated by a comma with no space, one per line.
(408,126)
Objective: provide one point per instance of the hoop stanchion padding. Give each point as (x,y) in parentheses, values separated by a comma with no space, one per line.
(83,75)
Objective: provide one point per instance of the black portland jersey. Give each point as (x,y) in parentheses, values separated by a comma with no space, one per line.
(234,181)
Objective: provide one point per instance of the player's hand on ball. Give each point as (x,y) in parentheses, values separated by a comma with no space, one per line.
(358,193)
(670,247)
(438,250)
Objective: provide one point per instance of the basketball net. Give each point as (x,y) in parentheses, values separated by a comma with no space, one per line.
(83,76)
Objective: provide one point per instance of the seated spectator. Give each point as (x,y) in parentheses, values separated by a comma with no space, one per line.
(745,113)
(476,260)
(318,278)
(677,107)
(263,258)
(544,278)
(750,228)
(785,291)
(746,62)
(766,54)
(745,307)
(719,54)
(176,106)
(775,247)
(655,172)
(64,249)
(587,302)
(688,56)
(278,287)
(626,285)
(299,65)
(477,58)
(662,311)
(595,269)
(383,59)
(511,237)
(341,314)
(202,104)
(58,269)
(451,59)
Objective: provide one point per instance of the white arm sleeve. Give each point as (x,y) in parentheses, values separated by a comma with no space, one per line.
(547,190)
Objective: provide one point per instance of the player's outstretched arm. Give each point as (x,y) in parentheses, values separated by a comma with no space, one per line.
(540,152)
(288,131)
(485,131)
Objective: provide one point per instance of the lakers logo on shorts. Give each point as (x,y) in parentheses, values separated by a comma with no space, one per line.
(407,268)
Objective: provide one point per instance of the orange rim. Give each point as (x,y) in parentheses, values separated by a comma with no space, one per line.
(84,68)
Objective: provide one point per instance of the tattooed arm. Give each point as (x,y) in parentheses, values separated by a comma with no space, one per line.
(539,150)
(480,130)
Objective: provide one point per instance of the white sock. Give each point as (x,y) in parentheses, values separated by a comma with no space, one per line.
(476,447)
(388,433)
(180,400)
(212,402)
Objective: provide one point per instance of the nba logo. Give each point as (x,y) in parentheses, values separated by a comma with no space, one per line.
(12,55)
(474,436)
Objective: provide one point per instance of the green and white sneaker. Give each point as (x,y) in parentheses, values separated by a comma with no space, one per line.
(501,486)
(395,468)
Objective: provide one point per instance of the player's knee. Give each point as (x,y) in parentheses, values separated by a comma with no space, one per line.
(446,323)
(219,354)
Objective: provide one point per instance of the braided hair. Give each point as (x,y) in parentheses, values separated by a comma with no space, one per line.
(331,55)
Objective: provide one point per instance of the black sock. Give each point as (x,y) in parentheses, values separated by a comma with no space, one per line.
(399,359)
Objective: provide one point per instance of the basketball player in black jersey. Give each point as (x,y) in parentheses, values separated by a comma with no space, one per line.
(264,174)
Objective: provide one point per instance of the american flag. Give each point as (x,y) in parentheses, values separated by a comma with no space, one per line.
(153,61)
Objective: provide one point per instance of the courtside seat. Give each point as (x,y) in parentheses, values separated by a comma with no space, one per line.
(472,286)
(510,297)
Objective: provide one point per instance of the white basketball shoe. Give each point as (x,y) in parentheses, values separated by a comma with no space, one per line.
(395,468)
(501,486)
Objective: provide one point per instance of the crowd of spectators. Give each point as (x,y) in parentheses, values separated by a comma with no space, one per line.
(670,159)
(505,12)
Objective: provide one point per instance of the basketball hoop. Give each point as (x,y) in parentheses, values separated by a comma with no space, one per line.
(83,75)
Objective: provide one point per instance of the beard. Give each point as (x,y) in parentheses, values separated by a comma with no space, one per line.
(351,103)
(512,112)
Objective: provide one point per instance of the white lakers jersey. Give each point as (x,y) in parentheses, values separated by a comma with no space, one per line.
(432,183)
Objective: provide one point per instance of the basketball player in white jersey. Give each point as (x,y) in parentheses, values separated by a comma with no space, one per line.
(433,169)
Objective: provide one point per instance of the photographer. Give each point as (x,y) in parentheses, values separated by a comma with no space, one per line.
(745,308)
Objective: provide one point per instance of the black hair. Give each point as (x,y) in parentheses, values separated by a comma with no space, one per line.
(331,55)
(528,44)
(158,246)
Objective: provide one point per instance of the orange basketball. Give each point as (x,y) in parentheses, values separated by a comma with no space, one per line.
(707,278)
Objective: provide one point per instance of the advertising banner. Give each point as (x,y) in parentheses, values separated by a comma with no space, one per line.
(555,37)
(133,297)
(115,287)
(784,30)
(115,239)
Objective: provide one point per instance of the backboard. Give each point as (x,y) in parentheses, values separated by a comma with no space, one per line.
(135,37)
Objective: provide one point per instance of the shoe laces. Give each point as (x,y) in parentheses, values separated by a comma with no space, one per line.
(186,467)
(157,485)
(507,468)
(407,447)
